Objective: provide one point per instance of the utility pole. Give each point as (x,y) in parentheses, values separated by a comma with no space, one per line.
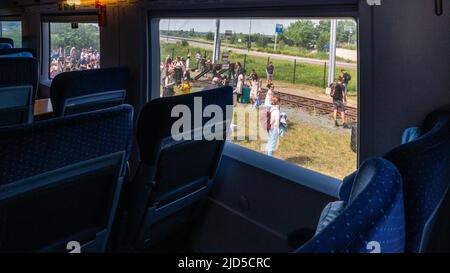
(332,53)
(249,42)
(168,28)
(275,45)
(216,50)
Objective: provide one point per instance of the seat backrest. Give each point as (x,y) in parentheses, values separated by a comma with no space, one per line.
(175,172)
(60,180)
(16,105)
(425,167)
(8,41)
(5,45)
(373,219)
(17,52)
(87,90)
(19,72)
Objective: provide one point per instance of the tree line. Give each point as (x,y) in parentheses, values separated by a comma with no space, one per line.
(307,34)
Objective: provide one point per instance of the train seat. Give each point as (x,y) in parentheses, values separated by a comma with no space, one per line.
(81,91)
(61,179)
(16,105)
(17,75)
(371,219)
(5,45)
(425,167)
(6,42)
(17,52)
(173,174)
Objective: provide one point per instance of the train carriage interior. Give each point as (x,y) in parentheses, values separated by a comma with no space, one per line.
(211,126)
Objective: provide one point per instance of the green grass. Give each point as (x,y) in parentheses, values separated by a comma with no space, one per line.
(309,74)
(285,50)
(317,148)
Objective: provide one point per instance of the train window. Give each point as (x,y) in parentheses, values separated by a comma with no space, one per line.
(13,30)
(73,46)
(287,103)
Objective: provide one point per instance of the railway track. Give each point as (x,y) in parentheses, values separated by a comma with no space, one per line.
(314,105)
(317,106)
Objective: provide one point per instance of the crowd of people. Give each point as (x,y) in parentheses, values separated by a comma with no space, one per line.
(73,60)
(176,75)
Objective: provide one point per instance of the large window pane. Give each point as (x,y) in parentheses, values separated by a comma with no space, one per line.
(13,30)
(293,55)
(74,46)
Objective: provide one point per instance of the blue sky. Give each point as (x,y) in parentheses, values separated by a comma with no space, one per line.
(265,26)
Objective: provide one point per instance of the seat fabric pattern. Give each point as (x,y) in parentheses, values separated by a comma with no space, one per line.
(19,71)
(425,168)
(373,220)
(32,149)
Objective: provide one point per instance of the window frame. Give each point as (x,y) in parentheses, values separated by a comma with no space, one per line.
(306,9)
(12,18)
(88,16)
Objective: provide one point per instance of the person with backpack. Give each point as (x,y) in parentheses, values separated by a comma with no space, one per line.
(339,98)
(345,80)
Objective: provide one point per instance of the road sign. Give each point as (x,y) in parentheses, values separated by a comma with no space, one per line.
(228,34)
(278,28)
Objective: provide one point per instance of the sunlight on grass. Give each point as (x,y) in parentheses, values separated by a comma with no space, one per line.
(313,147)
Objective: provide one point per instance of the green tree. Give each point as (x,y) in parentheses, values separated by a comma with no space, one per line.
(210,36)
(85,36)
(302,33)
(261,40)
(346,32)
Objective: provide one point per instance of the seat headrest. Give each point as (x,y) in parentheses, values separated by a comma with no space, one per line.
(85,82)
(4,40)
(22,52)
(156,119)
(5,45)
(18,54)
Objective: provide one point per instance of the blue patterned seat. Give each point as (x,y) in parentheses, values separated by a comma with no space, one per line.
(6,42)
(18,86)
(60,180)
(17,52)
(373,217)
(425,168)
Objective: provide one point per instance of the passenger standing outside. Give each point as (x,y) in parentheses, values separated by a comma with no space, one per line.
(345,80)
(188,61)
(169,84)
(185,86)
(274,125)
(198,58)
(239,88)
(269,95)
(339,98)
(270,69)
(178,70)
(213,85)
